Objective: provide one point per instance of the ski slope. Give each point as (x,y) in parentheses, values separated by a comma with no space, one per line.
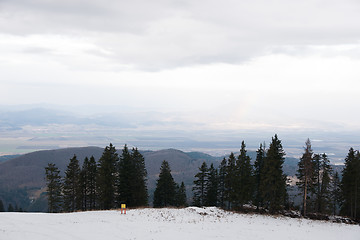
(167,224)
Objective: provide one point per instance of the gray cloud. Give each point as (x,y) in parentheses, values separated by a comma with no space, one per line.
(160,34)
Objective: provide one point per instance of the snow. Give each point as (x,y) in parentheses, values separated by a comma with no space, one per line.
(148,223)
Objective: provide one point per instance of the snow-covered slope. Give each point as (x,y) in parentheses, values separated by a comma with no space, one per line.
(167,224)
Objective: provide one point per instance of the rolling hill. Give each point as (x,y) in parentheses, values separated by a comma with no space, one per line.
(22,179)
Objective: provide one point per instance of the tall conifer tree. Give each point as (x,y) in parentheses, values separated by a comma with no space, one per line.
(140,191)
(72,187)
(316,190)
(132,188)
(84,185)
(91,183)
(324,199)
(181,196)
(165,192)
(212,186)
(125,181)
(336,195)
(306,174)
(231,181)
(53,188)
(106,178)
(88,183)
(200,183)
(350,185)
(273,186)
(221,183)
(244,188)
(258,175)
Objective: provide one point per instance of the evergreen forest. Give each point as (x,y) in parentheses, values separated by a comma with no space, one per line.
(237,183)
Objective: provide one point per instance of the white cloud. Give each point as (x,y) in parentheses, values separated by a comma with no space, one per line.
(155,35)
(229,64)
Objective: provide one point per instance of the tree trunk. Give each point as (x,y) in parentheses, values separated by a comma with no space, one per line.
(305,197)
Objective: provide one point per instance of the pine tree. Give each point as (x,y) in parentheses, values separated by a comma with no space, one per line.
(221,183)
(316,190)
(88,183)
(350,185)
(306,174)
(336,193)
(83,184)
(324,199)
(125,181)
(273,186)
(72,187)
(54,186)
(132,188)
(244,188)
(2,208)
(258,175)
(140,191)
(180,195)
(106,178)
(200,183)
(91,183)
(165,193)
(212,187)
(231,181)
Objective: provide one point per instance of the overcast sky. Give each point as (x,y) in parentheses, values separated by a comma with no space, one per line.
(227,64)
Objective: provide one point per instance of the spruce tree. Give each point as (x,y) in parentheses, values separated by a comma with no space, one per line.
(316,190)
(306,174)
(106,178)
(165,193)
(273,186)
(88,183)
(139,187)
(211,187)
(336,195)
(231,181)
(221,183)
(125,182)
(258,175)
(200,183)
(91,183)
(132,188)
(324,199)
(181,195)
(72,186)
(244,188)
(83,184)
(2,208)
(350,185)
(54,186)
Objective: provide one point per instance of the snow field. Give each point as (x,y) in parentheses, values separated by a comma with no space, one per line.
(167,223)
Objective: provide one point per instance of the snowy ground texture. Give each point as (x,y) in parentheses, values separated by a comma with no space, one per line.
(188,223)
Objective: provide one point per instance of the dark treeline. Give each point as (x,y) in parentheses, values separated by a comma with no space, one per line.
(322,190)
(237,182)
(104,185)
(263,185)
(10,208)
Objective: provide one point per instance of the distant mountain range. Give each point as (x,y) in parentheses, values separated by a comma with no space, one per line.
(22,178)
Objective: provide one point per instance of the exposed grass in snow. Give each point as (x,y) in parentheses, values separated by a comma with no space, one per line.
(167,223)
